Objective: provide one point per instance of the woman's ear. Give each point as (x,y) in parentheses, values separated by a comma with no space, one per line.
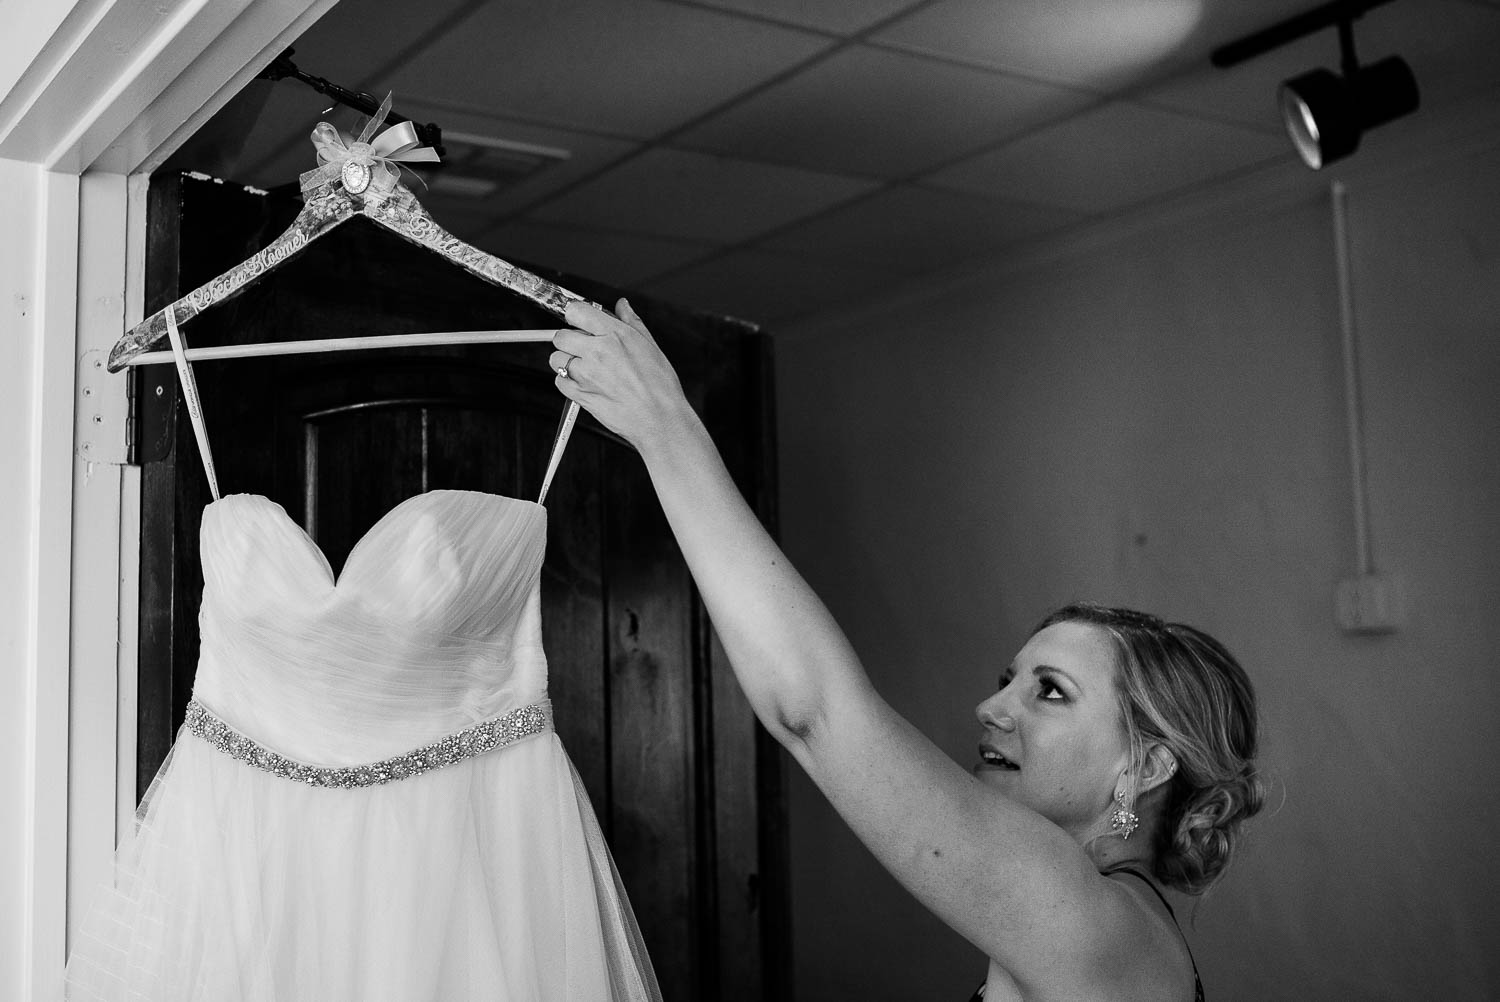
(1159,766)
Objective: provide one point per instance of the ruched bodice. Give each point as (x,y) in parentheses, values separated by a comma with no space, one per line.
(433,625)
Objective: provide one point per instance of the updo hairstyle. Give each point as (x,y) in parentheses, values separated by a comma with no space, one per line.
(1181,688)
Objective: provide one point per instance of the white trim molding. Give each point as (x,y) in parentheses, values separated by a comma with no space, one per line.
(96,94)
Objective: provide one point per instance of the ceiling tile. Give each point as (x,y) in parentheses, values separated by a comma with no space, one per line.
(767,288)
(632,70)
(616,258)
(1096,44)
(1449,44)
(354,41)
(1111,157)
(913,230)
(699,197)
(838,16)
(881,113)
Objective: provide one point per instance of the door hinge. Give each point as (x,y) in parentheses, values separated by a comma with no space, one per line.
(103,424)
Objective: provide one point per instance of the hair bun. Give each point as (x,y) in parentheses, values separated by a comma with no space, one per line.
(1208,827)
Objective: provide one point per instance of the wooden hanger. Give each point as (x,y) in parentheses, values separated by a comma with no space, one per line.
(354,179)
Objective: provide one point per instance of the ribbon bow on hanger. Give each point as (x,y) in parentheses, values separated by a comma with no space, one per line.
(362,164)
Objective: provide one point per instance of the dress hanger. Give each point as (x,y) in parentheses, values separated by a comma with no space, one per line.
(359,178)
(355,179)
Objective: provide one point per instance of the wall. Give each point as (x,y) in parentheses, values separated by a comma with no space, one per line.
(1158,422)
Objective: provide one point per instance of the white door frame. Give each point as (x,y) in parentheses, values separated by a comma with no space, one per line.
(97,94)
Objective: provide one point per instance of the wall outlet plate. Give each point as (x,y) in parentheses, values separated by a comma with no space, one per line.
(1369,603)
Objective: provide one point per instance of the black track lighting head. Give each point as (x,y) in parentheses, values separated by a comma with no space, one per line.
(1325,114)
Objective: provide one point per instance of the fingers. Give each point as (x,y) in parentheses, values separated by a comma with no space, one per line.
(573,342)
(564,365)
(565,375)
(627,313)
(593,319)
(599,342)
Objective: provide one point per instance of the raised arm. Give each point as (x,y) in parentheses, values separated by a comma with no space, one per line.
(1009,880)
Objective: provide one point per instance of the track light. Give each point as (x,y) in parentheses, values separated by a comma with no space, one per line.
(1325,113)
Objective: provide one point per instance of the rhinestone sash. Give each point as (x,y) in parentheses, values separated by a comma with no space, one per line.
(482,737)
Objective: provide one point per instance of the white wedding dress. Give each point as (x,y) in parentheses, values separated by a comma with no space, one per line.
(367,801)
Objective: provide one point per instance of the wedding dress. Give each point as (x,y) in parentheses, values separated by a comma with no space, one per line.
(367,801)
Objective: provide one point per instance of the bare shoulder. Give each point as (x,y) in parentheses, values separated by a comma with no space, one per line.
(1158,960)
(1012,882)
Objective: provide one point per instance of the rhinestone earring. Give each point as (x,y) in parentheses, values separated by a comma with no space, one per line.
(1122,820)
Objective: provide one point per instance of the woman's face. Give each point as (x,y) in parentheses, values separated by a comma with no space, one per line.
(1054,738)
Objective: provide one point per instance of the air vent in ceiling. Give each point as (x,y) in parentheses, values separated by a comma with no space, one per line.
(478,166)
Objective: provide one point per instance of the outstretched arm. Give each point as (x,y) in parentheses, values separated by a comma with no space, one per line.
(1010,881)
(787,651)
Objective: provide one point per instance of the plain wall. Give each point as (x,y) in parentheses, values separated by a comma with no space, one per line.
(1158,422)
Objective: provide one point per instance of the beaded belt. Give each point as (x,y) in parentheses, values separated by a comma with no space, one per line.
(483,737)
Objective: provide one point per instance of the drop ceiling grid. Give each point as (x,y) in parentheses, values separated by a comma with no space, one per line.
(699,197)
(837,16)
(1082,44)
(1097,162)
(769,288)
(908,229)
(766,141)
(623,259)
(873,112)
(634,70)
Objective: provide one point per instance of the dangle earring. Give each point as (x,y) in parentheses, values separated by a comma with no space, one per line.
(1122,820)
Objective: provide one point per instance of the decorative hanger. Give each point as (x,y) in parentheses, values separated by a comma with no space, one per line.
(359,178)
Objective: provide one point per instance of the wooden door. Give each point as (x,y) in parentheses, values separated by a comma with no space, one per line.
(686,784)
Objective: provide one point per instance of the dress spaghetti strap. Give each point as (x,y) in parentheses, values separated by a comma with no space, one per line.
(190,396)
(200,430)
(564,430)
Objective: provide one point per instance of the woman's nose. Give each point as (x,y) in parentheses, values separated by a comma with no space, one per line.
(993,712)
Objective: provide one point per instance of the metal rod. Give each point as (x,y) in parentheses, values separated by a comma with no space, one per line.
(282,67)
(1293,28)
(1353,403)
(345,344)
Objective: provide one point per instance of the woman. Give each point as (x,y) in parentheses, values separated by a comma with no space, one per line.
(1116,757)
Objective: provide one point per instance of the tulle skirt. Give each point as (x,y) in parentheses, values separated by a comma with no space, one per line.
(485,879)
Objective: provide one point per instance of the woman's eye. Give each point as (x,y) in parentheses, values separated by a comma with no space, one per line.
(1049,691)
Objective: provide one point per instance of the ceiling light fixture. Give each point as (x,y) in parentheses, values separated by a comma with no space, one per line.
(1325,113)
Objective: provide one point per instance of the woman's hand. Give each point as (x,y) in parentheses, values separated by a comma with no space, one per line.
(615,369)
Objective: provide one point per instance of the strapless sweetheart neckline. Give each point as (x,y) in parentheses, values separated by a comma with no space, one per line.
(334,580)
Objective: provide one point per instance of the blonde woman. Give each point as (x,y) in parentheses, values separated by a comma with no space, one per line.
(1116,756)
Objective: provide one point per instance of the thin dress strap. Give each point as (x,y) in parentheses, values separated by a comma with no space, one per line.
(564,430)
(190,396)
(200,430)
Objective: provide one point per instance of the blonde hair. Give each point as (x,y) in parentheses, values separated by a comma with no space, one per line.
(1182,689)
